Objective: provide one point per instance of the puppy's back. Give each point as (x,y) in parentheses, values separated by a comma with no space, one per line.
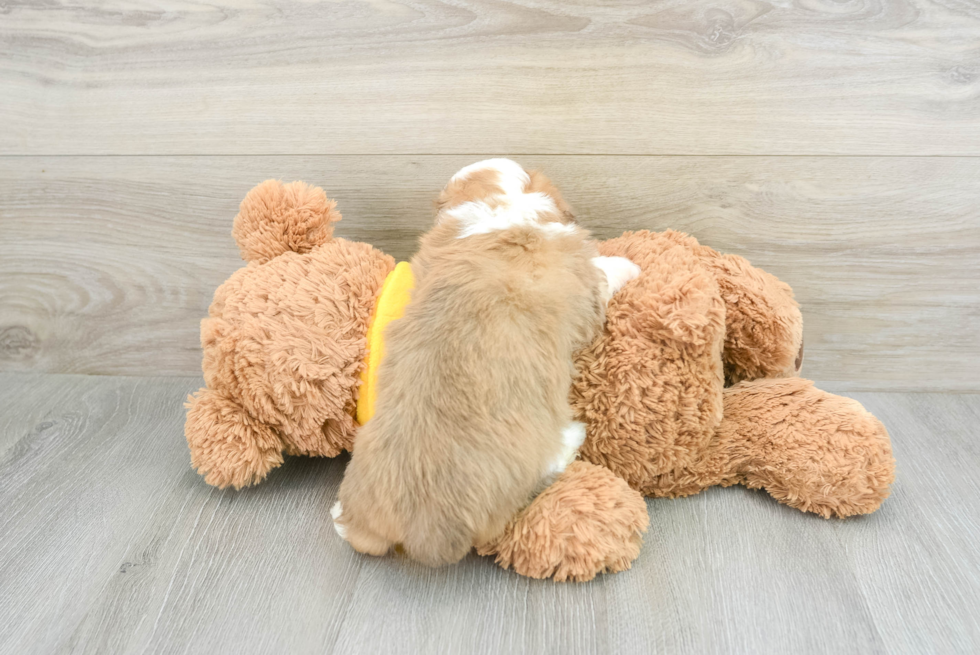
(472,393)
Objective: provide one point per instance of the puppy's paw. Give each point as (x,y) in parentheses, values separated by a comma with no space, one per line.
(335,513)
(618,270)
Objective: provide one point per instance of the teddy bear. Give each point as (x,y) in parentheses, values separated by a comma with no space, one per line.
(693,383)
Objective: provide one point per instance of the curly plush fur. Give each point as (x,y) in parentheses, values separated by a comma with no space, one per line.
(588,522)
(285,341)
(652,388)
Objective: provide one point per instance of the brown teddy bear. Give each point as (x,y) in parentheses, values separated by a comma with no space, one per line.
(692,384)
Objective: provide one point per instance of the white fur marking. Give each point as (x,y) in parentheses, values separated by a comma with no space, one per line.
(554,228)
(479,218)
(572,438)
(514,207)
(618,270)
(512,176)
(335,513)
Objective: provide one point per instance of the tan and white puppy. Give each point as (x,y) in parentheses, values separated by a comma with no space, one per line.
(472,415)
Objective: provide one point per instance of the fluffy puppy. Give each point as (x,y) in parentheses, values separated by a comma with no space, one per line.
(472,414)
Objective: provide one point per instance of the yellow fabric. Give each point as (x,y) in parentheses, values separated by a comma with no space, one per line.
(394,296)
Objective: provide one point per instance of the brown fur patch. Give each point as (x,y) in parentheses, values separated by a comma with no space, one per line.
(541,184)
(480,185)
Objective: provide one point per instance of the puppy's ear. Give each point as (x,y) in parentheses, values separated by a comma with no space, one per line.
(541,184)
(476,186)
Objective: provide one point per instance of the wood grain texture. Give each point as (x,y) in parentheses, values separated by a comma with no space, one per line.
(110,543)
(913,605)
(111,262)
(897,77)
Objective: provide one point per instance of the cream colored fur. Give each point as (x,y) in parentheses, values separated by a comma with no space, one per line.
(472,412)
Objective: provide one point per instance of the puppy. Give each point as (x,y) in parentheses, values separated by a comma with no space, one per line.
(472,414)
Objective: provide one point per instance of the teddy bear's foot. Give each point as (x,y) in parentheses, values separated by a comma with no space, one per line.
(809,449)
(229,447)
(589,521)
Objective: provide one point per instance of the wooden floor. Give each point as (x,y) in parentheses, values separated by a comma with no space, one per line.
(112,544)
(835,143)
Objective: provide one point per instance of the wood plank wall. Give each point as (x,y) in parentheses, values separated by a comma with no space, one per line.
(836,144)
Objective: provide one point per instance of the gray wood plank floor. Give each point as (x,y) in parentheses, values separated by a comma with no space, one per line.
(111,543)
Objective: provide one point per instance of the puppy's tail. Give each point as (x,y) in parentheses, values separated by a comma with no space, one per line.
(436,542)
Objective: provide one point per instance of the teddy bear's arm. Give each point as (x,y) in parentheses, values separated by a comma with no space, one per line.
(763,323)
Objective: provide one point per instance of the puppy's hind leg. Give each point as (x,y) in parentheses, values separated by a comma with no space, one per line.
(361,539)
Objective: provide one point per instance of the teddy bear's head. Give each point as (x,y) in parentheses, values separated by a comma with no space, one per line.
(284,341)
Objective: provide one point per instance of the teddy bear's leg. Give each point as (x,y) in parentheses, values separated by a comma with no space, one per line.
(809,449)
(228,446)
(763,323)
(589,521)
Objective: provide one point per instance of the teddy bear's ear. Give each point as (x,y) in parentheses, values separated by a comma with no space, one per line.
(275,218)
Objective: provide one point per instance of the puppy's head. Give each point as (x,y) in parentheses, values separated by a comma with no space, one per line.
(496,194)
